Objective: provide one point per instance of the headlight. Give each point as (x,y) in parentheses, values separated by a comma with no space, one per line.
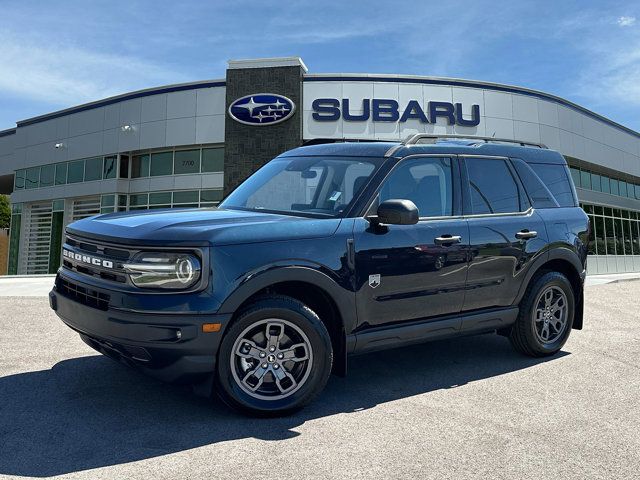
(164,270)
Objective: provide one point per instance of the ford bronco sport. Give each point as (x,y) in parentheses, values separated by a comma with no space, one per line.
(330,250)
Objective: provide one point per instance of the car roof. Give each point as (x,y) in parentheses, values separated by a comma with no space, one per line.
(531,154)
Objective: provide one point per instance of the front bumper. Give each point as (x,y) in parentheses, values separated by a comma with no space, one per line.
(171,347)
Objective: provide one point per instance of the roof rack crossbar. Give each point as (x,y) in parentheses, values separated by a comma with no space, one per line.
(415,139)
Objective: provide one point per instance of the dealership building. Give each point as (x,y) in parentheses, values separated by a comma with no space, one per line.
(189,144)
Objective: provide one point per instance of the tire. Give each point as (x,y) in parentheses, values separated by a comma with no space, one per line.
(528,334)
(293,377)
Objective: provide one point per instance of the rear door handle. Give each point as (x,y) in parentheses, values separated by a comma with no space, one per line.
(444,239)
(524,234)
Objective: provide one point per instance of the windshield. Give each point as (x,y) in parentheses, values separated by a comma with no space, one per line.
(305,185)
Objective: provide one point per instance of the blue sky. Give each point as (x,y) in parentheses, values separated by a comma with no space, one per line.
(58,54)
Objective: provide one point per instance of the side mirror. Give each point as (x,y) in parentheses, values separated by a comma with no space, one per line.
(397,212)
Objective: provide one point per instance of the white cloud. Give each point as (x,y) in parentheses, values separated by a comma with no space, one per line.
(65,75)
(626,21)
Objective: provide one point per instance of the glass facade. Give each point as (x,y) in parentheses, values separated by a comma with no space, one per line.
(169,199)
(152,164)
(602,183)
(614,231)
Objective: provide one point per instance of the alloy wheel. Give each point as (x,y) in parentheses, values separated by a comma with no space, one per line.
(550,314)
(271,359)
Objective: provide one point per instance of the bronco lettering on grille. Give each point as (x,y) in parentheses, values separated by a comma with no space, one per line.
(98,262)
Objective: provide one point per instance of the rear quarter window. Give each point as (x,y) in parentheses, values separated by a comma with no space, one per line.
(556,179)
(540,195)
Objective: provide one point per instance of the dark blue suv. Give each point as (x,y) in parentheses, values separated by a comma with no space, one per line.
(330,250)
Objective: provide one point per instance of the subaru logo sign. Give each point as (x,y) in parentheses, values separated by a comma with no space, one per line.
(262,109)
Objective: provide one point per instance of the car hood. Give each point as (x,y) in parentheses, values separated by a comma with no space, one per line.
(200,227)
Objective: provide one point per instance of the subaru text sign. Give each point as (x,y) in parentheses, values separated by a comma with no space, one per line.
(262,109)
(389,110)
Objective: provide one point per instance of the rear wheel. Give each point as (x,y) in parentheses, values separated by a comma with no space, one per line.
(275,358)
(546,316)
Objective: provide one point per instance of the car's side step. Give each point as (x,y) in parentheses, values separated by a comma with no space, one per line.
(425,330)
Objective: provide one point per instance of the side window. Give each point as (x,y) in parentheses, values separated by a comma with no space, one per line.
(492,187)
(427,182)
(540,195)
(557,181)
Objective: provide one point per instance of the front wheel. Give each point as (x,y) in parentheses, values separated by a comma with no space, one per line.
(546,316)
(275,358)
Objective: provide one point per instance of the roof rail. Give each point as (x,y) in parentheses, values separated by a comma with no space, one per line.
(433,138)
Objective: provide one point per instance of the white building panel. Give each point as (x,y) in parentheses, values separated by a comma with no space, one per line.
(88,121)
(154,108)
(181,104)
(525,108)
(498,105)
(210,129)
(130,111)
(548,113)
(181,131)
(210,101)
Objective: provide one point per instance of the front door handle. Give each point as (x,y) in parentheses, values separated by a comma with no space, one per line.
(444,239)
(524,234)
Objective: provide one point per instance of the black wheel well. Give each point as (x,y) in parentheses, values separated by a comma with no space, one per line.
(318,300)
(568,270)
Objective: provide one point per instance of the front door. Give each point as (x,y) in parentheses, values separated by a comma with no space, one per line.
(410,272)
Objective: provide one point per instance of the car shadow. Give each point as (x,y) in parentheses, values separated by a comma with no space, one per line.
(91,412)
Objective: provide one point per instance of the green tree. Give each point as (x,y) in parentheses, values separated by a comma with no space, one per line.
(5,212)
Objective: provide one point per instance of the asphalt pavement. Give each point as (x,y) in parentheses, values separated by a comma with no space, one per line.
(458,409)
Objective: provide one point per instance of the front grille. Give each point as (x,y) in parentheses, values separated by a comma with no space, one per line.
(94,272)
(88,250)
(86,296)
(119,253)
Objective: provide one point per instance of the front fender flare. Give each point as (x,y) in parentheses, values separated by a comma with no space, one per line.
(279,273)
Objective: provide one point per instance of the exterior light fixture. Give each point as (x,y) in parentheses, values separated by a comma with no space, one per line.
(126,128)
(59,145)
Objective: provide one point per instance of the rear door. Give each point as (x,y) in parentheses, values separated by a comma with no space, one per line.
(506,234)
(407,272)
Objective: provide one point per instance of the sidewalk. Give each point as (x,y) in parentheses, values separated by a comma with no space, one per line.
(611,278)
(40,285)
(26,286)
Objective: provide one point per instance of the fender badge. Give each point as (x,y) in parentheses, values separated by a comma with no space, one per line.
(374,280)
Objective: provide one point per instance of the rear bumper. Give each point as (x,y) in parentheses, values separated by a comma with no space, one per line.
(170,347)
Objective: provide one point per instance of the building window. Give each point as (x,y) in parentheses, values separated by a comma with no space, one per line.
(93,169)
(124,166)
(212,159)
(615,188)
(19,180)
(76,172)
(614,231)
(47,175)
(110,168)
(32,177)
(187,161)
(138,201)
(585,179)
(160,200)
(140,166)
(623,188)
(122,203)
(61,173)
(605,184)
(161,164)
(210,198)
(107,203)
(186,198)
